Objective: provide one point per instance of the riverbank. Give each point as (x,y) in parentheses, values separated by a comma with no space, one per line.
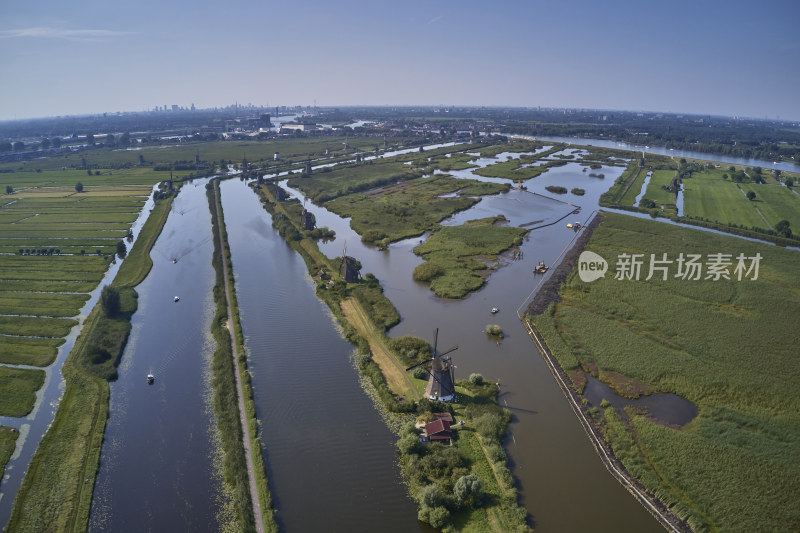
(56,493)
(657,332)
(245,471)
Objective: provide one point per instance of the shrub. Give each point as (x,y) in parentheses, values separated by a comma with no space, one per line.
(476,379)
(420,373)
(427,271)
(494,329)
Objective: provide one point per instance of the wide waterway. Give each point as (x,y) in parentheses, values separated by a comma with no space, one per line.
(157,467)
(562,482)
(331,459)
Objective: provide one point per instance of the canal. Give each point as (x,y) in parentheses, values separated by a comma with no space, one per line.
(330,456)
(159,469)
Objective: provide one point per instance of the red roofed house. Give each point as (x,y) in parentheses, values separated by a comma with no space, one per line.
(438,431)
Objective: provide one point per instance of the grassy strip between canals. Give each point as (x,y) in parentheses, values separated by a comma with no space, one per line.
(19,386)
(465,487)
(56,494)
(8,439)
(724,344)
(225,395)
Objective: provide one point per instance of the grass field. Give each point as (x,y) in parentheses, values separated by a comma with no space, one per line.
(29,351)
(8,439)
(409,210)
(19,386)
(726,345)
(457,256)
(720,200)
(629,198)
(322,186)
(775,203)
(655,191)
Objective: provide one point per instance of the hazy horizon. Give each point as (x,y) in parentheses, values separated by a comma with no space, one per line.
(736,59)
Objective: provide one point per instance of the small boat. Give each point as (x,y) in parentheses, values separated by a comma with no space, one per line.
(541,268)
(174,260)
(150,378)
(177,299)
(495,310)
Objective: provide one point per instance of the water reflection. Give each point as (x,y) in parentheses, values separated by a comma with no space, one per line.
(668,408)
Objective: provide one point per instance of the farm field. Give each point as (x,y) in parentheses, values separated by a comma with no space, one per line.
(716,343)
(655,191)
(629,198)
(721,200)
(776,203)
(19,386)
(56,244)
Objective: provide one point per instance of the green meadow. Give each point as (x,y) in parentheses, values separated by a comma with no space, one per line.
(19,386)
(409,208)
(726,345)
(458,258)
(8,439)
(655,190)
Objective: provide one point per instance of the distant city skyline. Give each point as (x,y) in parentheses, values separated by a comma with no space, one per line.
(739,58)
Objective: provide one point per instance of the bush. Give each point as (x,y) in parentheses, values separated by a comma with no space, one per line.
(490,426)
(494,329)
(438,517)
(420,373)
(431,496)
(476,379)
(427,271)
(496,453)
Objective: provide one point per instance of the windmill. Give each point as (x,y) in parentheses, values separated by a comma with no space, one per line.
(441,384)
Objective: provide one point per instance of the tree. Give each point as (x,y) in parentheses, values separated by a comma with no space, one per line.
(751,195)
(109,140)
(79,187)
(90,139)
(431,496)
(56,142)
(109,300)
(476,379)
(9,189)
(122,250)
(19,146)
(45,143)
(789,182)
(125,139)
(6,146)
(783,228)
(468,491)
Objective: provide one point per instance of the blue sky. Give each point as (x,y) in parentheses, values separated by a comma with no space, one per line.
(700,56)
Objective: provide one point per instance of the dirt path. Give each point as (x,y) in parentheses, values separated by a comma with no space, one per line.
(251,473)
(396,376)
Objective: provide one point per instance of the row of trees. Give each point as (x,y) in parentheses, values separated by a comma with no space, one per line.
(123,139)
